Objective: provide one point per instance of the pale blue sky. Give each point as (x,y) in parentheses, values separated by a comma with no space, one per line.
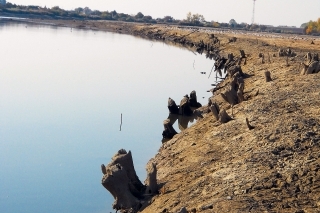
(274,12)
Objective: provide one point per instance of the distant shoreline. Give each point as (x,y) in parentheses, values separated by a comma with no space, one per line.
(216,166)
(130,27)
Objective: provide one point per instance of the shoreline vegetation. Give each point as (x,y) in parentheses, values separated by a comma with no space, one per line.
(257,147)
(56,13)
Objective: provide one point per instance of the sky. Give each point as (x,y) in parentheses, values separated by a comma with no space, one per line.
(269,12)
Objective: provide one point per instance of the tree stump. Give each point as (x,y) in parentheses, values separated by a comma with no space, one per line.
(193,100)
(214,108)
(172,106)
(248,124)
(242,54)
(168,131)
(267,75)
(240,93)
(151,181)
(224,117)
(120,179)
(230,96)
(185,106)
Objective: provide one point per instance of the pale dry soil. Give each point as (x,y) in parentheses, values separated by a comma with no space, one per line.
(214,167)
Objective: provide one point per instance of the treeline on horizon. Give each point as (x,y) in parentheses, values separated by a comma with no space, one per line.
(312,27)
(56,12)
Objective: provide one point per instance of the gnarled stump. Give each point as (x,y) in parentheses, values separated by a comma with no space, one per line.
(120,179)
(117,182)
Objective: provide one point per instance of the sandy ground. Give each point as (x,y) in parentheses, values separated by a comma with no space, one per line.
(215,167)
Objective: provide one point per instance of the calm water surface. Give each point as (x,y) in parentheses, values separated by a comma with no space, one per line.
(61,95)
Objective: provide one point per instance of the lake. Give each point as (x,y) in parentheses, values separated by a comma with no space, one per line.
(62,92)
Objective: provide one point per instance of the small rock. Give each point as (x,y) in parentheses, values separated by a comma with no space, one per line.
(193,144)
(210,206)
(229,198)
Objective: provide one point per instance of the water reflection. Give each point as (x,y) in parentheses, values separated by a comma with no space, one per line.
(61,97)
(185,113)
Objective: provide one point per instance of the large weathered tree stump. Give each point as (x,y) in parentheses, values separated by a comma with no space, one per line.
(120,179)
(117,182)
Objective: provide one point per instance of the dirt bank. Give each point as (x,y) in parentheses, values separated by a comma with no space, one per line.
(215,167)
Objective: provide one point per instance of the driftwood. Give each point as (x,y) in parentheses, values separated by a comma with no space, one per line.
(267,75)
